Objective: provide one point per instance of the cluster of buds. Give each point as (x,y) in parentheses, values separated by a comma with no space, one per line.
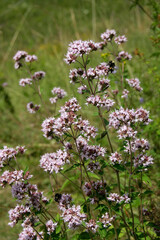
(95,190)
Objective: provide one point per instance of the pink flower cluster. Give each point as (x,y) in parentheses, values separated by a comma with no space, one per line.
(108,35)
(50,227)
(89,151)
(28,81)
(28,192)
(134,83)
(11,177)
(115,158)
(92,226)
(23,55)
(126,132)
(6,154)
(93,166)
(32,108)
(31,58)
(102,69)
(74,74)
(79,48)
(140,145)
(29,233)
(122,120)
(73,216)
(17,214)
(38,75)
(125,93)
(103,84)
(54,161)
(97,101)
(82,89)
(106,220)
(114,197)
(124,56)
(85,128)
(59,94)
(25,81)
(70,106)
(65,201)
(120,39)
(58,127)
(94,189)
(143,161)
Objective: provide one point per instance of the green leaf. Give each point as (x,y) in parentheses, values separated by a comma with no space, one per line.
(95,113)
(103,163)
(155,54)
(102,207)
(85,208)
(67,182)
(102,233)
(75,237)
(58,229)
(37,223)
(93,175)
(122,233)
(119,167)
(110,233)
(68,134)
(72,167)
(148,192)
(103,134)
(136,202)
(105,121)
(26,169)
(57,218)
(84,235)
(146,179)
(88,61)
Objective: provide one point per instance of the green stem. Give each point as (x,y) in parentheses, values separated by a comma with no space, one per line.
(130,178)
(141,216)
(101,117)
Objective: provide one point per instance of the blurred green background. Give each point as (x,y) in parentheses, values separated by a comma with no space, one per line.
(45,28)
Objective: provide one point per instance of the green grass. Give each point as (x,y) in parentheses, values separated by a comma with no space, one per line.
(45,28)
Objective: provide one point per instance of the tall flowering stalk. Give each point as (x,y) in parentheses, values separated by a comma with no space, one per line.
(108,207)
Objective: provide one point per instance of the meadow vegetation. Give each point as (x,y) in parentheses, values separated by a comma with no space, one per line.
(45,28)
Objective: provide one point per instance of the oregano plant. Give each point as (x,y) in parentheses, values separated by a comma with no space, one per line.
(107,165)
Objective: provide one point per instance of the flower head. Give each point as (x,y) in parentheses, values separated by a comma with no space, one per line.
(32,108)
(19,55)
(108,35)
(73,216)
(50,227)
